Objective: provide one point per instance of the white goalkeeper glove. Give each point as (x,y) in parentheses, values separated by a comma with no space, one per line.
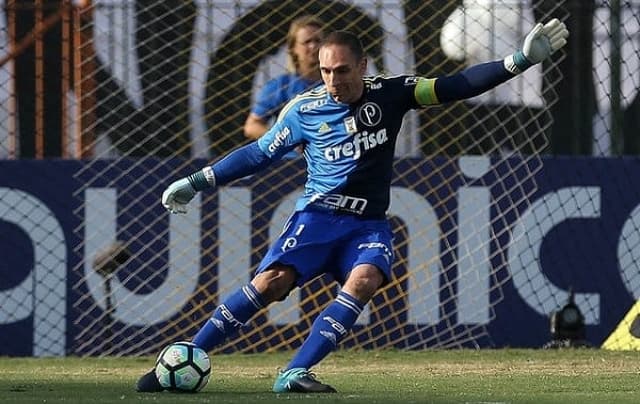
(178,195)
(539,44)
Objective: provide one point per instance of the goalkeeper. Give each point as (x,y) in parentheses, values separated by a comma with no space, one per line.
(348,128)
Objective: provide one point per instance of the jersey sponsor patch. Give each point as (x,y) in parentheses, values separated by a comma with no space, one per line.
(279,139)
(343,203)
(353,149)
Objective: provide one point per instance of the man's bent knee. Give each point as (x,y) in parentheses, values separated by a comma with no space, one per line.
(275,283)
(363,282)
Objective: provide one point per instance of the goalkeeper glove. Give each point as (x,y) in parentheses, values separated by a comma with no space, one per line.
(539,44)
(177,195)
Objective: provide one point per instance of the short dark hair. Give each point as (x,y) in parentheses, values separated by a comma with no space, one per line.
(345,38)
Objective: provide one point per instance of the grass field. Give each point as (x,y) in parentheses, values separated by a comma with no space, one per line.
(435,376)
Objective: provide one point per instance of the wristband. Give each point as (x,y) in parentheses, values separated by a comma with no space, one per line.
(517,62)
(202,179)
(521,61)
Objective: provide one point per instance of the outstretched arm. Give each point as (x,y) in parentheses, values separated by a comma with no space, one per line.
(246,160)
(539,44)
(239,163)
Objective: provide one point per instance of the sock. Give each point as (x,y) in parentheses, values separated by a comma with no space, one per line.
(328,329)
(229,317)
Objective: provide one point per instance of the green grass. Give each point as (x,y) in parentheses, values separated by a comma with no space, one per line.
(435,376)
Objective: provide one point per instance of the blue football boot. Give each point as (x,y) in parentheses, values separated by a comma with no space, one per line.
(299,380)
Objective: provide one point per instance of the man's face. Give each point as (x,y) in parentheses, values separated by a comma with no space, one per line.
(342,72)
(306,47)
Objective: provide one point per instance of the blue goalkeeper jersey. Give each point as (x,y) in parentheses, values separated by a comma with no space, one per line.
(348,148)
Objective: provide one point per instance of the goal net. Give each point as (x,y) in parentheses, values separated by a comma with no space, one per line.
(167,89)
(162,88)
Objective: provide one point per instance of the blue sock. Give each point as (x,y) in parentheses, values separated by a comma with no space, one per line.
(328,329)
(229,317)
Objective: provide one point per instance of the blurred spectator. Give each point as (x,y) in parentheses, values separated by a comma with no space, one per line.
(303,39)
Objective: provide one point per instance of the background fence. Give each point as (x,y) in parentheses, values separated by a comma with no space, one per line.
(145,91)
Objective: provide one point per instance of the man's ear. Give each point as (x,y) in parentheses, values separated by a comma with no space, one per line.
(363,65)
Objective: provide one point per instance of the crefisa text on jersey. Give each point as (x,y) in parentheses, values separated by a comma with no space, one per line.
(361,141)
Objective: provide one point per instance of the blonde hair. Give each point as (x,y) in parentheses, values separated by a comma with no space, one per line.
(296,25)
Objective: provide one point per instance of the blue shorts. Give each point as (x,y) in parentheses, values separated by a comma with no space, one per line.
(315,243)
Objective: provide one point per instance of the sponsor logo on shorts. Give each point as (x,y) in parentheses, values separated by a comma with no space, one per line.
(377,244)
(289,243)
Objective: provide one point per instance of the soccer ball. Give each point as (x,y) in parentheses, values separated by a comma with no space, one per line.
(183,367)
